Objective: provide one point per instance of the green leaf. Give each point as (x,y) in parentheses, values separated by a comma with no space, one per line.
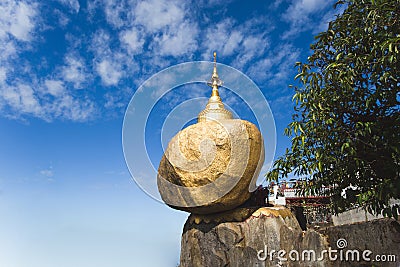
(346,128)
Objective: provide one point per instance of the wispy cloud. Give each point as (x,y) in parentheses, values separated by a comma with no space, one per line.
(3,75)
(109,72)
(277,64)
(17,19)
(133,39)
(75,71)
(156,15)
(47,173)
(108,63)
(303,14)
(177,42)
(216,39)
(213,3)
(169,28)
(17,27)
(329,16)
(73,5)
(62,18)
(22,99)
(244,41)
(54,87)
(72,108)
(115,11)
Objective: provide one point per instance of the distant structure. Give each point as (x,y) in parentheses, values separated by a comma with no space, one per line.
(309,210)
(288,193)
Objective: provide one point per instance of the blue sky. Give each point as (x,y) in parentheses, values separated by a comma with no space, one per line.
(68,70)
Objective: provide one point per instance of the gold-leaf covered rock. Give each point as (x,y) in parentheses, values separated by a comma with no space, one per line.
(210,166)
(213,165)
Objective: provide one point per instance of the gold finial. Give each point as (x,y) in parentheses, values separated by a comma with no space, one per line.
(215,109)
(215,81)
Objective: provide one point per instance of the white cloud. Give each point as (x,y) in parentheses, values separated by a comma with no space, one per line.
(7,50)
(109,73)
(68,107)
(47,173)
(232,43)
(112,62)
(115,11)
(3,75)
(213,3)
(74,71)
(100,44)
(253,46)
(22,99)
(178,41)
(71,4)
(159,27)
(107,63)
(133,40)
(276,67)
(117,100)
(226,38)
(276,4)
(17,23)
(305,7)
(156,14)
(63,19)
(111,101)
(17,19)
(25,96)
(216,37)
(300,15)
(154,64)
(156,30)
(168,26)
(54,87)
(261,70)
(244,40)
(329,16)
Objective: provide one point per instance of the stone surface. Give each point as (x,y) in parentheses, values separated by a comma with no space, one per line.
(354,216)
(238,243)
(381,236)
(209,167)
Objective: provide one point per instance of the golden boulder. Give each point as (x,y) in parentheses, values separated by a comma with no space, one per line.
(213,165)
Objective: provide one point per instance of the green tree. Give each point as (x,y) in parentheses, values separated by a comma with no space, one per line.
(346,125)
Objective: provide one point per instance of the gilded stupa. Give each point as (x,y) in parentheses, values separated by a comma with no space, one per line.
(215,109)
(211,166)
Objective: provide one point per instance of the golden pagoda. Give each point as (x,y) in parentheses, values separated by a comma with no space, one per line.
(215,109)
(211,166)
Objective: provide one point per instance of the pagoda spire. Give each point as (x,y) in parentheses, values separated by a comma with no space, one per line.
(215,81)
(215,109)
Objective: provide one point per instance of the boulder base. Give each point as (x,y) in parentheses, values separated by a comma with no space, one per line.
(236,238)
(238,243)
